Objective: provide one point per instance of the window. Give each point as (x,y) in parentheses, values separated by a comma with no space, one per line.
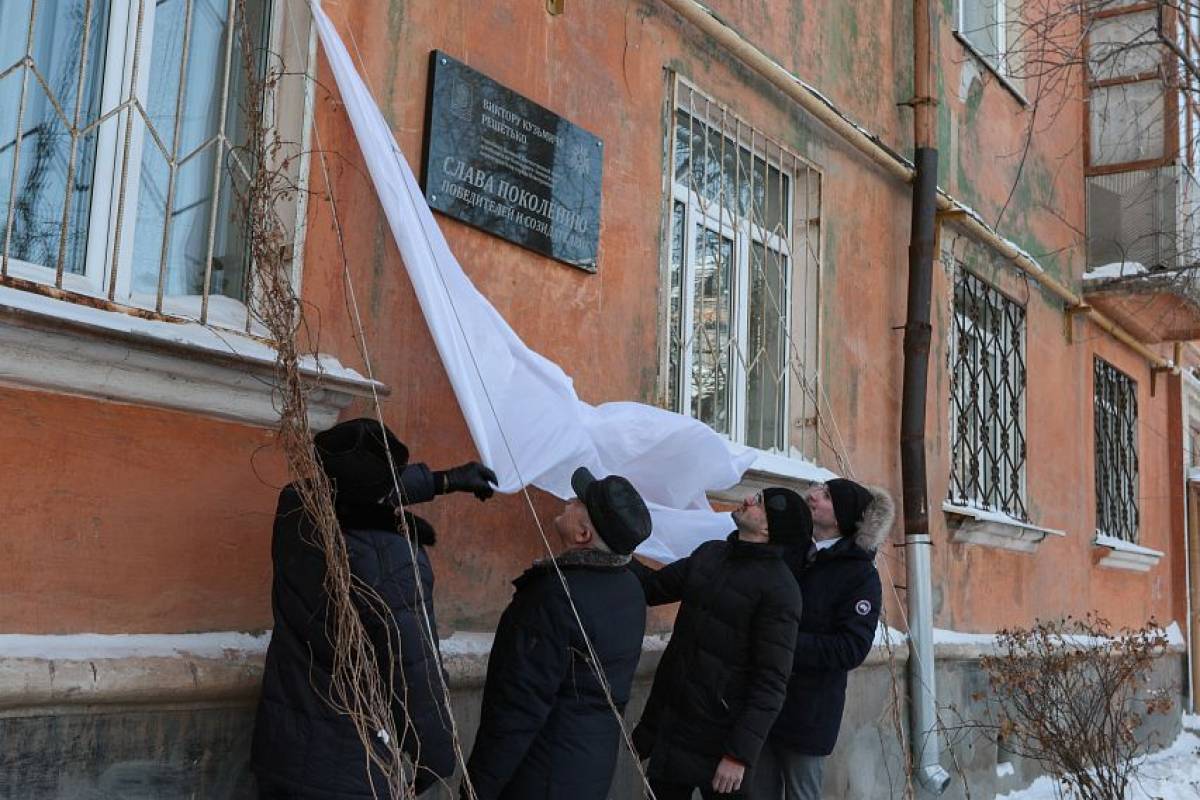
(1116,453)
(119,149)
(743,262)
(992,30)
(987,399)
(1127,120)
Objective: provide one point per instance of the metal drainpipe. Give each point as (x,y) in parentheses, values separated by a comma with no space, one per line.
(917,329)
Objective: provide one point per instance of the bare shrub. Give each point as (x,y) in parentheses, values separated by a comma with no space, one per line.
(1073,696)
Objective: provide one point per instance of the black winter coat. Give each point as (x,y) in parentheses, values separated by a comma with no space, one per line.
(546,731)
(842,593)
(301,746)
(723,676)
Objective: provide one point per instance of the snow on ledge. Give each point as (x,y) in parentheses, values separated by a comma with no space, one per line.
(998,517)
(1117,269)
(779,465)
(1113,543)
(186,333)
(101,646)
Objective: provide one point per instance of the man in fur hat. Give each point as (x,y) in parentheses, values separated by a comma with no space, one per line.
(723,676)
(842,593)
(303,747)
(547,729)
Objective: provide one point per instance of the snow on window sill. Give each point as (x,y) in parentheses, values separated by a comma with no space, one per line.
(57,345)
(772,469)
(1125,555)
(970,525)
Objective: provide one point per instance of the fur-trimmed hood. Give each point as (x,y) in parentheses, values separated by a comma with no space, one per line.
(876,522)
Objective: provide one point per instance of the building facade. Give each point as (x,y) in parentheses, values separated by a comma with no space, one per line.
(750,271)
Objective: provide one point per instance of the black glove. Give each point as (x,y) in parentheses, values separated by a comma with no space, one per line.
(471,477)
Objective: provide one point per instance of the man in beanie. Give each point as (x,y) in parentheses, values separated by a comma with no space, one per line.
(723,676)
(841,591)
(547,729)
(304,748)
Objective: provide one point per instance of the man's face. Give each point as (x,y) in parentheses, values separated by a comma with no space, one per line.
(821,506)
(574,516)
(750,515)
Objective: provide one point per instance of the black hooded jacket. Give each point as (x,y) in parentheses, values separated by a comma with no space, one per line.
(546,730)
(723,676)
(842,593)
(302,747)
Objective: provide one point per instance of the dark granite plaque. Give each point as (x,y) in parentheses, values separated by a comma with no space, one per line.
(503,163)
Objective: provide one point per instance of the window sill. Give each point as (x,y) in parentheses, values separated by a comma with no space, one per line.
(56,345)
(1007,83)
(772,469)
(992,529)
(1125,555)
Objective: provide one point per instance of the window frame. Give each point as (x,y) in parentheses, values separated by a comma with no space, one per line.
(996,299)
(1099,469)
(802,229)
(1001,69)
(289,31)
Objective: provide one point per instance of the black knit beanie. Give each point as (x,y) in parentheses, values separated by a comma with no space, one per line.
(789,521)
(850,501)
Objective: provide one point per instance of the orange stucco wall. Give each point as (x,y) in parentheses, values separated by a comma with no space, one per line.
(127,519)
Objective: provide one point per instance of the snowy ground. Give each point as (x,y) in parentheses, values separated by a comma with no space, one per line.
(1170,774)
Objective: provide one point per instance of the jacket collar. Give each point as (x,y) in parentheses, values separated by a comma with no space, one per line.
(741,549)
(847,548)
(588,558)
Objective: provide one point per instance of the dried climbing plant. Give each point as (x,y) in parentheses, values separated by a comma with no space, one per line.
(261,167)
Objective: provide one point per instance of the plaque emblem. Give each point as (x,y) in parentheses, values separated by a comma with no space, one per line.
(577,159)
(461,100)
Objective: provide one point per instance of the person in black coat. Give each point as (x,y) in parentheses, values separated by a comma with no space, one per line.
(842,593)
(723,676)
(302,747)
(547,730)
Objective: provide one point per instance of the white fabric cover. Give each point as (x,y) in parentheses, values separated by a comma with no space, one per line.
(521,408)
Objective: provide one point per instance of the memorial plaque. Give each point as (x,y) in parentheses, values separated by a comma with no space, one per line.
(503,163)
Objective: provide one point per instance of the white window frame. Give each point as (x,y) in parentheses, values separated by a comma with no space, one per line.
(743,233)
(63,341)
(284,36)
(724,221)
(1001,68)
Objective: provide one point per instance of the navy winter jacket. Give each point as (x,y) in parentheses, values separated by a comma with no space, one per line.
(842,593)
(546,730)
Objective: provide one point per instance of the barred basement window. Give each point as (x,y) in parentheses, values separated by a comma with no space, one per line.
(1116,453)
(119,149)
(743,244)
(987,399)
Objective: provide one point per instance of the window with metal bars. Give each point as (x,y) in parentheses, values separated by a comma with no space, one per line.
(120,149)
(987,399)
(742,286)
(1116,415)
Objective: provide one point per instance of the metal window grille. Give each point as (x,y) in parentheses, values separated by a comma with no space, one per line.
(743,250)
(1116,414)
(119,154)
(987,399)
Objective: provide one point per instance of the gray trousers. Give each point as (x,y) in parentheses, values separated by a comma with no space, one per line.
(783,774)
